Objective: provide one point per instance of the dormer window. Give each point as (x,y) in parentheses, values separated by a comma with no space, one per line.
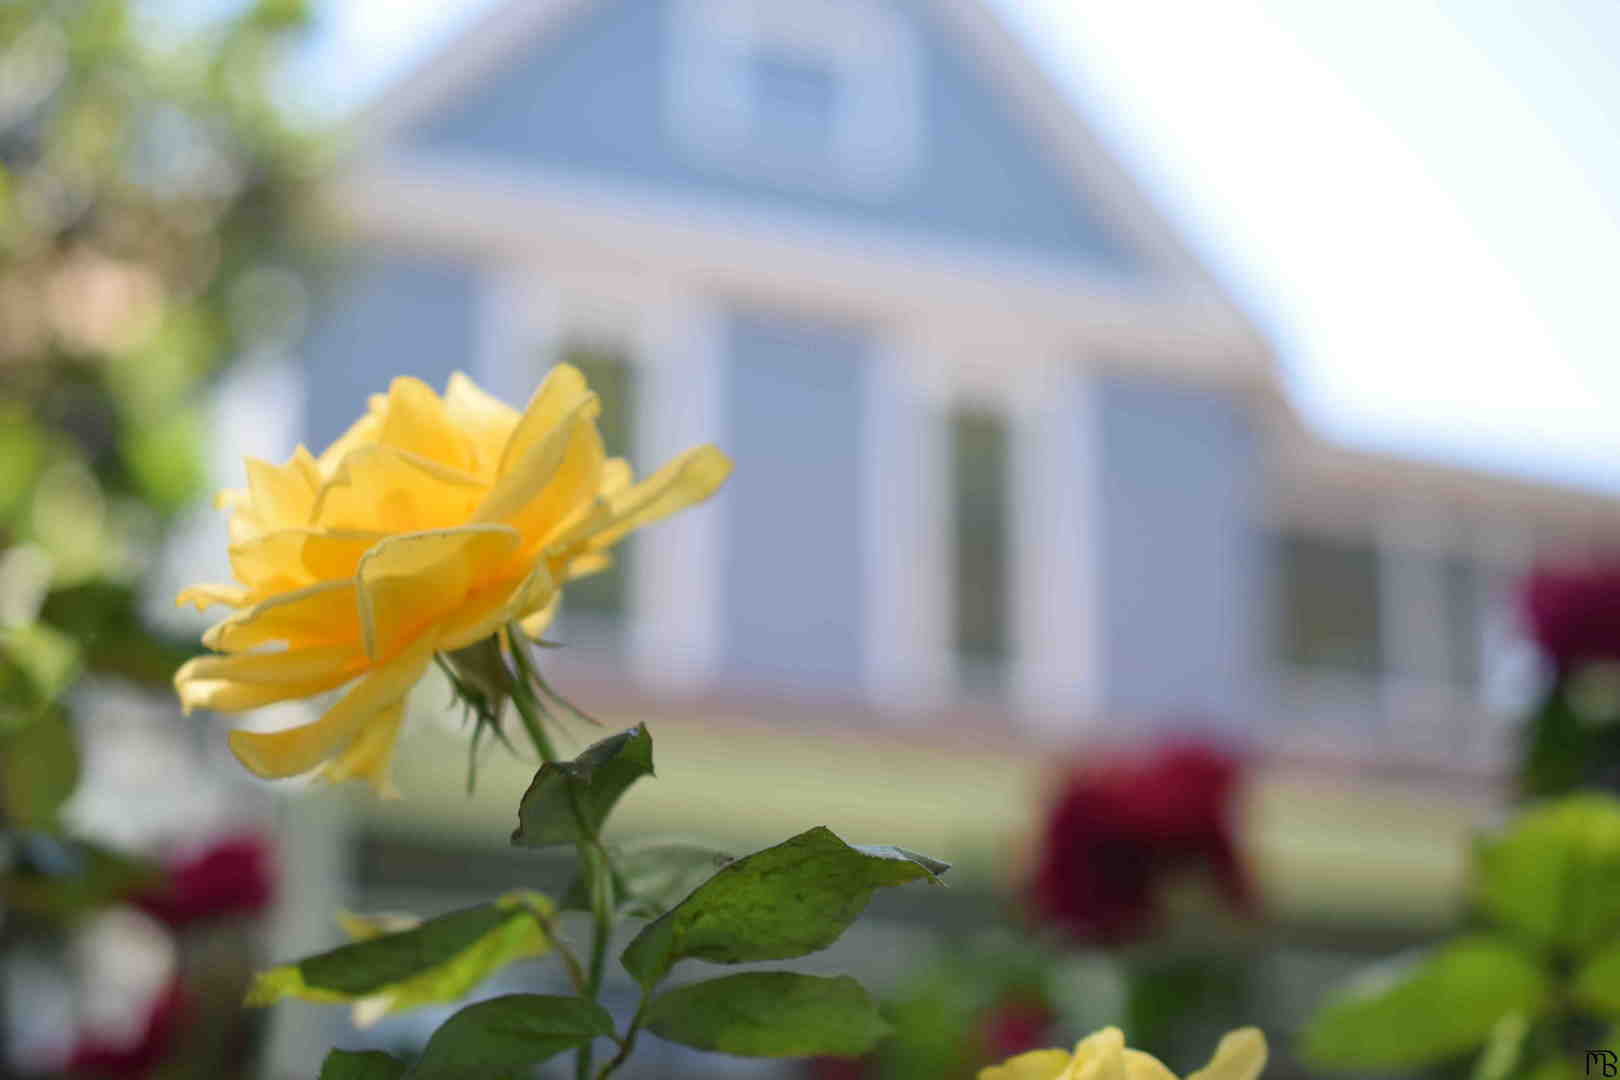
(823,95)
(796,102)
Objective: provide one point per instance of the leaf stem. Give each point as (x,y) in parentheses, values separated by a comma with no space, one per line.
(628,1043)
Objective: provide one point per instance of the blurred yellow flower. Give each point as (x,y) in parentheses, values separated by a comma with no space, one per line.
(1104,1056)
(428,526)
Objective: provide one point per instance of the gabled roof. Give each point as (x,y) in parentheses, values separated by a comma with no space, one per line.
(503,33)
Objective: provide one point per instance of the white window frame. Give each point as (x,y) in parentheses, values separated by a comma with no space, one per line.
(1055,677)
(671,620)
(875,62)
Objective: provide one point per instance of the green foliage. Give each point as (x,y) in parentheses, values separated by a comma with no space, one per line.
(1536,984)
(785,901)
(39,768)
(361,1065)
(650,879)
(1554,875)
(1597,984)
(1425,1009)
(569,800)
(500,1039)
(770,1014)
(437,961)
(62,880)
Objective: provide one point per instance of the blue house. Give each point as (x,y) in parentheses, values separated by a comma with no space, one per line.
(1004,450)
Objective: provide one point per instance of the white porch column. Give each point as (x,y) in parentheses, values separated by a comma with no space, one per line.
(905,531)
(1056,616)
(676,636)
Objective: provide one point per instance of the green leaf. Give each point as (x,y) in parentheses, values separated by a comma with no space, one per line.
(361,1065)
(593,782)
(503,1037)
(1596,984)
(785,901)
(1425,1009)
(436,961)
(39,768)
(1504,1049)
(1554,873)
(650,880)
(770,1014)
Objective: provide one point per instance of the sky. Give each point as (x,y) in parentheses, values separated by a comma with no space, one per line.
(1417,202)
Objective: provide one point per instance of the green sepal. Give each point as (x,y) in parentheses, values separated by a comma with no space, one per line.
(361,1065)
(437,961)
(504,1037)
(770,1014)
(592,783)
(1425,1009)
(785,901)
(1554,873)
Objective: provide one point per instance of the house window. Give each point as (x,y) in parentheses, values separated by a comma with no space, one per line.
(602,598)
(1328,593)
(824,95)
(980,473)
(1464,620)
(795,101)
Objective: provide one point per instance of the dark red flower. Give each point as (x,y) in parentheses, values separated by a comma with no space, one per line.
(837,1068)
(234,876)
(1574,612)
(95,1056)
(1014,1025)
(1119,829)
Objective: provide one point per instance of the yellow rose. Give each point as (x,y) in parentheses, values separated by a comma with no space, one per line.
(1104,1056)
(428,526)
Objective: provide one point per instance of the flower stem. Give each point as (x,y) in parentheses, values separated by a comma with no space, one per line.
(597,870)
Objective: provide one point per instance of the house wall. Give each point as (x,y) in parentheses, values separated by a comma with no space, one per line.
(399,314)
(1183,624)
(793,617)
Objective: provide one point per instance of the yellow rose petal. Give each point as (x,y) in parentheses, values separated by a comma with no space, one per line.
(203,596)
(416,421)
(690,478)
(1099,1057)
(1241,1055)
(368,758)
(1035,1065)
(526,476)
(409,582)
(484,420)
(282,494)
(386,489)
(321,614)
(277,754)
(1144,1066)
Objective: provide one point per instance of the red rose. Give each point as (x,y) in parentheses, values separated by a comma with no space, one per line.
(1014,1025)
(1118,830)
(1574,613)
(97,1057)
(232,877)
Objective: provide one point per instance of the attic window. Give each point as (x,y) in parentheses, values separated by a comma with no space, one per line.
(795,101)
(823,95)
